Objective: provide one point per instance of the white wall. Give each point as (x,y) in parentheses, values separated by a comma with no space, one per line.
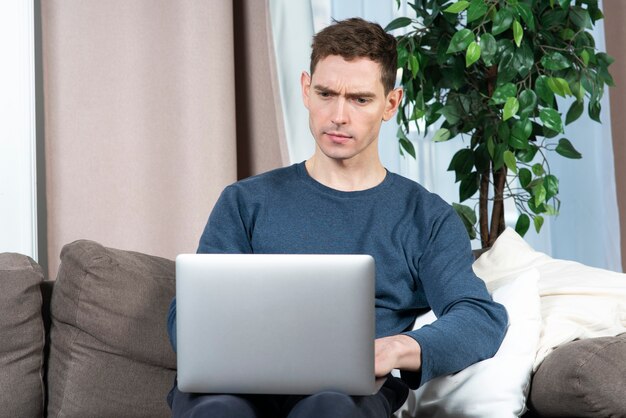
(18,203)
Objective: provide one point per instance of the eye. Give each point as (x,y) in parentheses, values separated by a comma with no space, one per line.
(324,94)
(361,100)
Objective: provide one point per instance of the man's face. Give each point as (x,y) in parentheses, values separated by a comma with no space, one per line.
(347,104)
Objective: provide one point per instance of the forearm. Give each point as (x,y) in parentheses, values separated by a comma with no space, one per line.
(465,335)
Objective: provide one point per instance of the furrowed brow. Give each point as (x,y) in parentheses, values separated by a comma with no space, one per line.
(360,95)
(323,89)
(351,95)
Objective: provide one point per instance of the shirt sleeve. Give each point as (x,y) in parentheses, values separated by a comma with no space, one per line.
(470,325)
(226,232)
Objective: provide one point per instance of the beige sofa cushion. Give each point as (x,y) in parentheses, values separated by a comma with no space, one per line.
(22,337)
(110,355)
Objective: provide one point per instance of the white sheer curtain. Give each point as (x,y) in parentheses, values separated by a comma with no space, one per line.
(587,229)
(18,175)
(292,29)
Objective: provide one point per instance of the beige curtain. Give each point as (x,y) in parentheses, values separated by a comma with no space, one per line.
(151,108)
(615,16)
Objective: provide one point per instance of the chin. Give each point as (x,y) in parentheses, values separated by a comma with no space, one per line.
(339,155)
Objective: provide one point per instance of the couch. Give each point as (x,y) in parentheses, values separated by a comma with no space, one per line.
(94,343)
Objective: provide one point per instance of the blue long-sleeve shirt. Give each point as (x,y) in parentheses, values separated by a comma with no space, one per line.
(422,253)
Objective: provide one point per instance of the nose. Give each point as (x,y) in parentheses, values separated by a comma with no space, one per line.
(339,114)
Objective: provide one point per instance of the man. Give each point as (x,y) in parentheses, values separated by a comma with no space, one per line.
(342,200)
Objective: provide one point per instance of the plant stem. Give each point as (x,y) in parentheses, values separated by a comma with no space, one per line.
(483,210)
(497,215)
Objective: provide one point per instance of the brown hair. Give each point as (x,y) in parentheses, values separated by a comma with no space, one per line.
(357,38)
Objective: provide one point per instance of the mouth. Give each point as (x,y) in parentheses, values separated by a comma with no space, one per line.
(338,137)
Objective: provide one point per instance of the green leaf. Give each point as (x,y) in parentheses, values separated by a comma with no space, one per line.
(477,9)
(414,65)
(567,34)
(403,56)
(506,67)
(522,224)
(543,90)
(468,216)
(504,132)
(538,221)
(460,41)
(567,150)
(524,177)
(550,210)
(452,113)
(555,61)
(578,91)
(488,48)
(585,57)
(526,13)
(551,119)
(462,163)
(491,147)
(457,7)
(397,23)
(523,60)
(498,160)
(551,183)
(482,159)
(564,4)
(521,131)
(468,186)
(594,111)
(554,18)
(502,21)
(510,108)
(527,103)
(559,86)
(580,17)
(407,146)
(472,54)
(502,93)
(441,135)
(528,154)
(539,194)
(518,33)
(510,161)
(538,169)
(574,112)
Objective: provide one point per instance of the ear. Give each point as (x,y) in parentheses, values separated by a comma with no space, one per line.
(305,83)
(394,97)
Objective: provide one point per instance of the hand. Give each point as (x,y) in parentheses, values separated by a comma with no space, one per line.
(396,352)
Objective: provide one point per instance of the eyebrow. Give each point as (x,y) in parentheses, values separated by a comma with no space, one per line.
(352,95)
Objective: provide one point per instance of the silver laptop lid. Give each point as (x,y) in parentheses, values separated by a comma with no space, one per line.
(275,324)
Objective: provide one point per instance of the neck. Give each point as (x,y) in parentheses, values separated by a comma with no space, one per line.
(345,175)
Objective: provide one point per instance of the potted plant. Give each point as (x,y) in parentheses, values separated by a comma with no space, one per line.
(492,70)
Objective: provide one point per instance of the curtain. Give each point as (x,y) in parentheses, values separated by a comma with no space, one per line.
(587,229)
(18,197)
(292,29)
(615,16)
(151,109)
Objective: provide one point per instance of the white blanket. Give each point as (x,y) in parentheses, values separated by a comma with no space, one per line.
(577,301)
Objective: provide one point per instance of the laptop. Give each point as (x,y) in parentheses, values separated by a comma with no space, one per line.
(275,324)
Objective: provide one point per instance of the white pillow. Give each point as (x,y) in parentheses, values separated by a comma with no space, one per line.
(496,387)
(577,301)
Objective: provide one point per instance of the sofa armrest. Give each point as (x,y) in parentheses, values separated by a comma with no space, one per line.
(584,378)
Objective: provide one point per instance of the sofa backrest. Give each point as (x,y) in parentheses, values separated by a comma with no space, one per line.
(22,337)
(109,350)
